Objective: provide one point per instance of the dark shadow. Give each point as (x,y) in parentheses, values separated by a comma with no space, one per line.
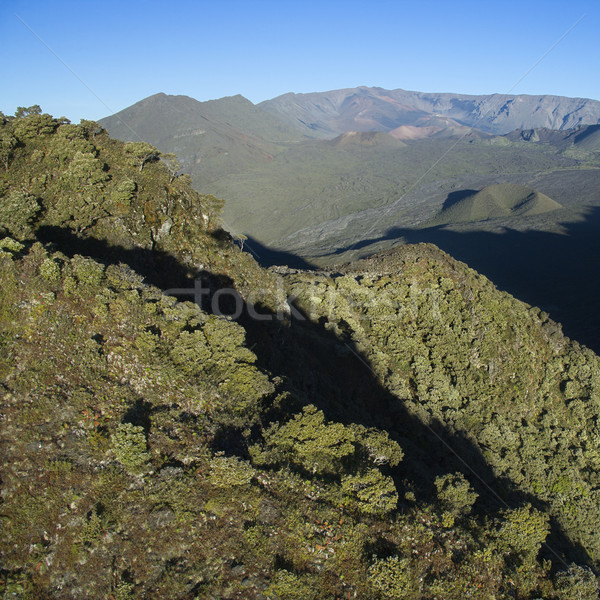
(455,197)
(268,257)
(557,273)
(589,130)
(316,367)
(157,268)
(321,369)
(139,414)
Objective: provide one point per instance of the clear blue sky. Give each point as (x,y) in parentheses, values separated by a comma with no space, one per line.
(125,51)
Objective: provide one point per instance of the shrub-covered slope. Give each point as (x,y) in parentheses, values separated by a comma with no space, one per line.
(402,430)
(454,351)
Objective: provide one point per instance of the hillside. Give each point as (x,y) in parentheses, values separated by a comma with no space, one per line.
(367,139)
(582,137)
(394,428)
(211,139)
(492,202)
(588,139)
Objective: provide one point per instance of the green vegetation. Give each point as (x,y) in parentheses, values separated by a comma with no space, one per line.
(418,435)
(454,350)
(129,446)
(279,176)
(321,181)
(493,201)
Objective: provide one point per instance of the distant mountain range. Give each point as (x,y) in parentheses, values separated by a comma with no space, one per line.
(230,135)
(307,172)
(326,114)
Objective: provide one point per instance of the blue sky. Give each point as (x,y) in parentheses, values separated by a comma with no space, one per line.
(86,59)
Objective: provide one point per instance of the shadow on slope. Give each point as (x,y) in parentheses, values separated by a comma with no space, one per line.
(317,367)
(157,268)
(267,257)
(555,272)
(331,373)
(455,197)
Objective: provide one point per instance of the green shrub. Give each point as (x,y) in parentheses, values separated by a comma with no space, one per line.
(129,447)
(371,492)
(523,530)
(124,591)
(18,212)
(140,153)
(393,579)
(69,285)
(228,471)
(379,448)
(34,124)
(455,493)
(311,443)
(289,586)
(124,192)
(89,273)
(50,270)
(9,246)
(123,277)
(576,583)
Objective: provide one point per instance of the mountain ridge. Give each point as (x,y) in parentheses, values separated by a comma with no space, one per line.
(215,137)
(326,112)
(329,197)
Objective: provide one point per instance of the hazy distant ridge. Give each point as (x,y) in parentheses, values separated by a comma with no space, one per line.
(322,114)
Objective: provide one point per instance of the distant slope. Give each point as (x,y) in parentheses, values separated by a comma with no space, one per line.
(318,181)
(494,201)
(367,139)
(363,108)
(261,161)
(211,139)
(589,138)
(583,137)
